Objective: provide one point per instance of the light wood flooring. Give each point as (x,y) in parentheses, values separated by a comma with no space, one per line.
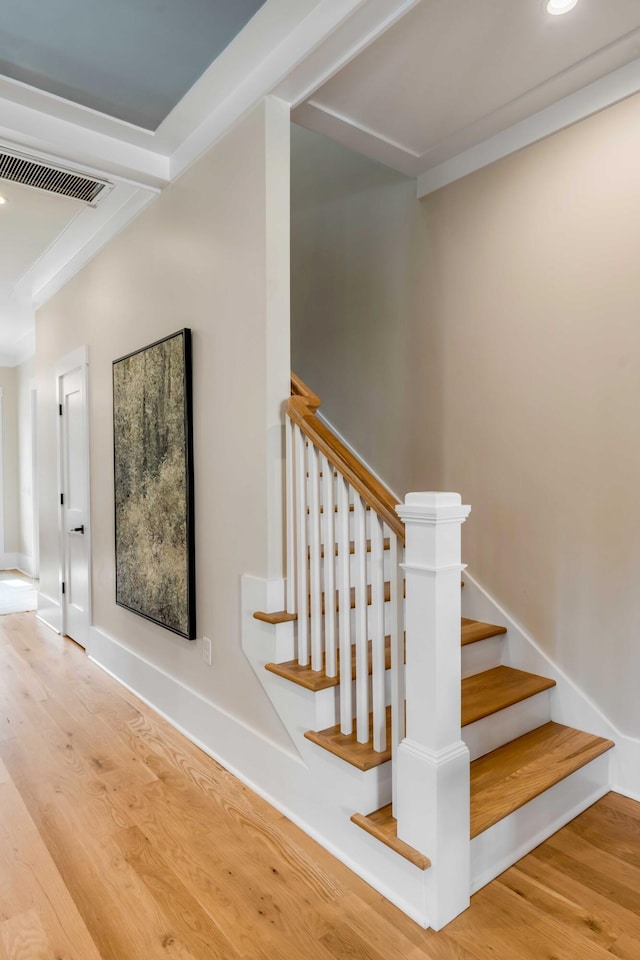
(120,840)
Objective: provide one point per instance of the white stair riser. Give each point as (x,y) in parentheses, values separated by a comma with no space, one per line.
(499,728)
(500,846)
(481,656)
(328,702)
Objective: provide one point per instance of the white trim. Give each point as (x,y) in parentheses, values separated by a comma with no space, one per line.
(49,612)
(355,136)
(251,79)
(596,96)
(434,757)
(8,561)
(2,483)
(77,359)
(35,483)
(367,22)
(42,132)
(72,361)
(81,240)
(182,702)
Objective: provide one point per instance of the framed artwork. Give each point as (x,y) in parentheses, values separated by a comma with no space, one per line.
(153,471)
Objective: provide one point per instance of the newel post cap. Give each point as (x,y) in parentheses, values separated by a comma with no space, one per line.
(433,505)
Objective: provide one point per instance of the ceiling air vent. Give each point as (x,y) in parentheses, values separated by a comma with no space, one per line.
(44,176)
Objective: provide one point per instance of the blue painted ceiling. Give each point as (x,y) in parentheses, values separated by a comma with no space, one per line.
(131,59)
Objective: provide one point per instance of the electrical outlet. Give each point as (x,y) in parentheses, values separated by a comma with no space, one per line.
(206,650)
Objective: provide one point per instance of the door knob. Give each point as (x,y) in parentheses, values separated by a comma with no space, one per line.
(79,529)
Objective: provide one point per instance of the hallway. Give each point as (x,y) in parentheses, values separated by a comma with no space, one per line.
(121,840)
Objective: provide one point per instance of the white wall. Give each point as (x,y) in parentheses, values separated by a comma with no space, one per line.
(25,383)
(8,551)
(210,253)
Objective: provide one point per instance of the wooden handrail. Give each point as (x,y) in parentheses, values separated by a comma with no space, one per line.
(301,408)
(300,389)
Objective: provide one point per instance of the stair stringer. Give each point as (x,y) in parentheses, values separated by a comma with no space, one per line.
(569,704)
(324,791)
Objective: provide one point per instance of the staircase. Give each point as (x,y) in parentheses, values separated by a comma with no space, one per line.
(480,772)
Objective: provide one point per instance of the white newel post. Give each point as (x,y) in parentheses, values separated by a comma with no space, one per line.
(432,806)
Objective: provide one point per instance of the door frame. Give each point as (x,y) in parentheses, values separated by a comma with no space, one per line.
(2,556)
(35,484)
(75,360)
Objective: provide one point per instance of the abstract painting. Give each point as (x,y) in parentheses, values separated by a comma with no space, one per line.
(153,464)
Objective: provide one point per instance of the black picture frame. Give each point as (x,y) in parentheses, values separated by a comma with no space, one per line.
(153,483)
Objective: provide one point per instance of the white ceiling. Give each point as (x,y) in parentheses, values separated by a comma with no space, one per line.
(432,88)
(29,223)
(453,73)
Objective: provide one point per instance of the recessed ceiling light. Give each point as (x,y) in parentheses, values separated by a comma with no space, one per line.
(557,7)
(2,199)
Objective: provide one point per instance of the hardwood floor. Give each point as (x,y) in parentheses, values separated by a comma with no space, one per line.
(120,840)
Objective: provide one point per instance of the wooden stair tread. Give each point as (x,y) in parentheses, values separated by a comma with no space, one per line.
(310,679)
(486,693)
(360,755)
(281,616)
(512,775)
(475,630)
(471,630)
(317,679)
(382,825)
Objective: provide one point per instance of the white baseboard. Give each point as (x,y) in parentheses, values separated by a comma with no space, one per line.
(8,561)
(570,705)
(49,612)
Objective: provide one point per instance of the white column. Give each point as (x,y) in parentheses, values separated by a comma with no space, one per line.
(432,807)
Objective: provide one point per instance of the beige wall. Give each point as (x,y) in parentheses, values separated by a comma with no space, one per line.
(528,351)
(535,290)
(203,255)
(358,237)
(10,460)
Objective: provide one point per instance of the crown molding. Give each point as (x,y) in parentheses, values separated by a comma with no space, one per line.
(316,116)
(616,86)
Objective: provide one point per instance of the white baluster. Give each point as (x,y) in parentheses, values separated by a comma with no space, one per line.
(362,651)
(301,548)
(331,664)
(315,602)
(396,617)
(291,516)
(376,631)
(344,607)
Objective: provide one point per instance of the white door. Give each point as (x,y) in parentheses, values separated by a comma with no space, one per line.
(75,506)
